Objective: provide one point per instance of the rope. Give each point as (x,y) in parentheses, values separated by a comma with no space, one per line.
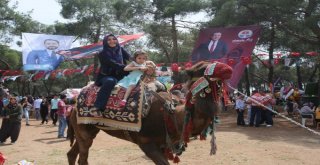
(281,115)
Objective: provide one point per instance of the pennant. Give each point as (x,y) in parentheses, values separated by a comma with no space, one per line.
(89,50)
(312,53)
(295,54)
(47,75)
(84,68)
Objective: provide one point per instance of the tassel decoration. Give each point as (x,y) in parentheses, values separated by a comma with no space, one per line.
(169,154)
(202,137)
(176,159)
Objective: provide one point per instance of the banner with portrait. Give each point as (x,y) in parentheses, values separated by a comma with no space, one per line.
(40,51)
(233,46)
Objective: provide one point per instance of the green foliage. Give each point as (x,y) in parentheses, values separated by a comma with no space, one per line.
(169,8)
(10,59)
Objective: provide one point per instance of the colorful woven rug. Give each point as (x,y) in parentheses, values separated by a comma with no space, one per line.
(126,118)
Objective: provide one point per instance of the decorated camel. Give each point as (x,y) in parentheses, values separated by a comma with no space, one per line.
(165,129)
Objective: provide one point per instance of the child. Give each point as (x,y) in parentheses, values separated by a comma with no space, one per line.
(138,66)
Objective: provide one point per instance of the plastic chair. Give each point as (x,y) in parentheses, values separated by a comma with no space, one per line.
(304,117)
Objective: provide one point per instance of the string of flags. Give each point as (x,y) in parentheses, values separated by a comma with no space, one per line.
(88,69)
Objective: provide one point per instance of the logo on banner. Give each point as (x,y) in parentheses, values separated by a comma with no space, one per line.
(245,34)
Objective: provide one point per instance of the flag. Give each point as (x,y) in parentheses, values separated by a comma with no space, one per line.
(89,50)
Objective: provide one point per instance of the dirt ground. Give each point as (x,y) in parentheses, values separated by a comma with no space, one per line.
(284,143)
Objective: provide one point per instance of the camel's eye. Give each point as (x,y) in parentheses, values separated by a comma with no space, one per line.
(202,94)
(208,90)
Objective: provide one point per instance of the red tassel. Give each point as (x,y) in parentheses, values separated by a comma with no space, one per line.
(169,154)
(187,132)
(202,137)
(176,159)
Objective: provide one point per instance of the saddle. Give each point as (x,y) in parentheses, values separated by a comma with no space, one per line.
(128,117)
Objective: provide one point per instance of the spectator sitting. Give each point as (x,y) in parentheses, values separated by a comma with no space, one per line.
(306,109)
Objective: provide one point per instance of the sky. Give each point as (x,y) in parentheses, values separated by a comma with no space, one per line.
(48,11)
(44,11)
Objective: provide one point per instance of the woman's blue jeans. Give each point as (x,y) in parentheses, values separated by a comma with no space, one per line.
(107,84)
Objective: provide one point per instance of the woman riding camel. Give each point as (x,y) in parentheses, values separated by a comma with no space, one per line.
(113,58)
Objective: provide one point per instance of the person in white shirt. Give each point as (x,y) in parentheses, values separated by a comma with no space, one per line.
(240,105)
(36,106)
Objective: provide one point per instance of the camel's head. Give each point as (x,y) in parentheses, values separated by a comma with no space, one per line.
(205,91)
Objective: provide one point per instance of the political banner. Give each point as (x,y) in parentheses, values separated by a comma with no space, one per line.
(233,46)
(39,51)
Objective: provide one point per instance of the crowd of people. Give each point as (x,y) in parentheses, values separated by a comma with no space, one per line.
(16,108)
(257,109)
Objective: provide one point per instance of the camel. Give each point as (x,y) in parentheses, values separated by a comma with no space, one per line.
(166,129)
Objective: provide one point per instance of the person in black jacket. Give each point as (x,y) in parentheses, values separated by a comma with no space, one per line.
(44,110)
(113,58)
(13,113)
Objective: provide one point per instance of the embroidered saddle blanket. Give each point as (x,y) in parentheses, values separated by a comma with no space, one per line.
(125,118)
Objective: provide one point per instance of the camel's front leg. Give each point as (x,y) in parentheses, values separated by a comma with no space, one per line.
(154,153)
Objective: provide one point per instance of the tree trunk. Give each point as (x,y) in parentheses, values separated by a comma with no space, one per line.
(6,64)
(313,74)
(299,74)
(18,87)
(46,87)
(165,51)
(174,40)
(246,71)
(96,40)
(271,47)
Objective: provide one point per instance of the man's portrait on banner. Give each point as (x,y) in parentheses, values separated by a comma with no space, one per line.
(47,55)
(214,48)
(41,51)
